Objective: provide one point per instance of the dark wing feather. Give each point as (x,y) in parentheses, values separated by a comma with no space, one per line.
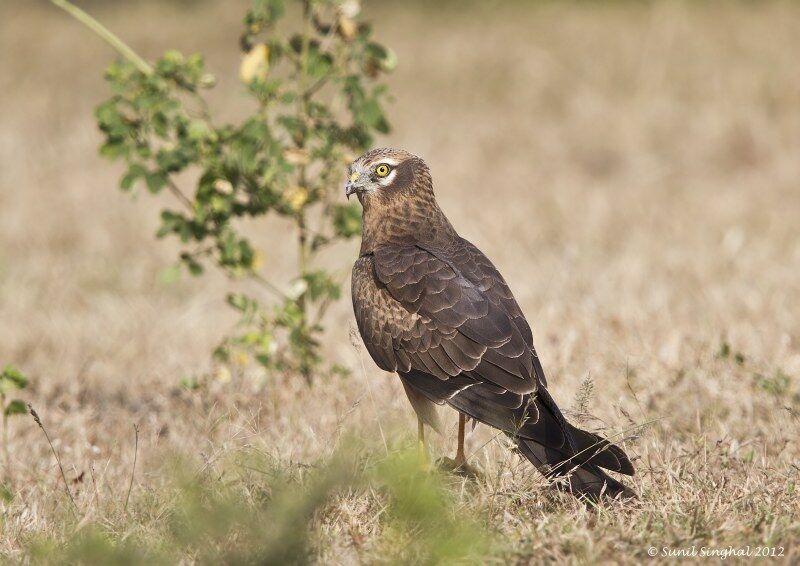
(462,327)
(476,267)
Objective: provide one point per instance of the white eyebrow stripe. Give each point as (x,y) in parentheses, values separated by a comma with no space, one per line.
(389,161)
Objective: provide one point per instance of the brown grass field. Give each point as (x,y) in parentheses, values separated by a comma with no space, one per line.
(632,168)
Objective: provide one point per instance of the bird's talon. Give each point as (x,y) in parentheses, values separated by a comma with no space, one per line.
(462,468)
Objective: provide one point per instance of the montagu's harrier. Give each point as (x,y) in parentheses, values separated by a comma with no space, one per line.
(431,307)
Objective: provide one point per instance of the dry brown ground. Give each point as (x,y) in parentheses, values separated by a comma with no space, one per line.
(634,171)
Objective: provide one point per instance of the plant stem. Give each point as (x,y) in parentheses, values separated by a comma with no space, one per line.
(185,201)
(302,239)
(36,418)
(6,453)
(313,89)
(133,469)
(106,34)
(269,286)
(302,114)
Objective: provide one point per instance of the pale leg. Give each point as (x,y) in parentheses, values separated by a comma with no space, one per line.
(460,458)
(423,452)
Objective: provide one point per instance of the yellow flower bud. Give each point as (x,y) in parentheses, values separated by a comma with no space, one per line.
(223,374)
(258,260)
(347,28)
(240,359)
(296,156)
(255,64)
(296,197)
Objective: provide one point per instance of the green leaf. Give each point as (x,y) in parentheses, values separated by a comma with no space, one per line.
(319,63)
(155,181)
(347,220)
(292,125)
(11,378)
(170,275)
(194,267)
(135,171)
(190,382)
(321,285)
(6,494)
(170,222)
(264,12)
(174,159)
(238,301)
(371,115)
(235,252)
(248,306)
(106,113)
(777,385)
(200,130)
(113,149)
(16,407)
(382,56)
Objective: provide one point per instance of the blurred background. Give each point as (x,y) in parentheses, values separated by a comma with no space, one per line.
(632,168)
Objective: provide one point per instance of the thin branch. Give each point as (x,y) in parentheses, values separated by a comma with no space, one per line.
(58,460)
(6,453)
(94,484)
(269,286)
(133,469)
(105,34)
(323,307)
(312,90)
(173,188)
(207,251)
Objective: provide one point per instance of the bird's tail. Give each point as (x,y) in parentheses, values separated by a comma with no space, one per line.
(573,458)
(577,465)
(585,480)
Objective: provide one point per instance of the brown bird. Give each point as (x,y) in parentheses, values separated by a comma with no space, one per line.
(432,308)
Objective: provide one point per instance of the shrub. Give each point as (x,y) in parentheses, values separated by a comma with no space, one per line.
(318,102)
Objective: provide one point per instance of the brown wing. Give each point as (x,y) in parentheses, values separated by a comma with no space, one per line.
(416,311)
(476,267)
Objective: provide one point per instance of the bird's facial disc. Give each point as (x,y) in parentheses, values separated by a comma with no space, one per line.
(365,178)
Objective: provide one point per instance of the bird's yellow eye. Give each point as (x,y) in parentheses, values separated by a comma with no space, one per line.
(382,170)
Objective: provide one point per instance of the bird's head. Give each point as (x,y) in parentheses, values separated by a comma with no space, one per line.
(385,173)
(395,190)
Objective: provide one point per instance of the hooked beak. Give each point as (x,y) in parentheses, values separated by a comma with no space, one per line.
(351,186)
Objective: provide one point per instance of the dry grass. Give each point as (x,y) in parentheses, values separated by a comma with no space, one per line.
(631,168)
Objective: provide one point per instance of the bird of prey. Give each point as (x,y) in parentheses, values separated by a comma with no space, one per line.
(432,308)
